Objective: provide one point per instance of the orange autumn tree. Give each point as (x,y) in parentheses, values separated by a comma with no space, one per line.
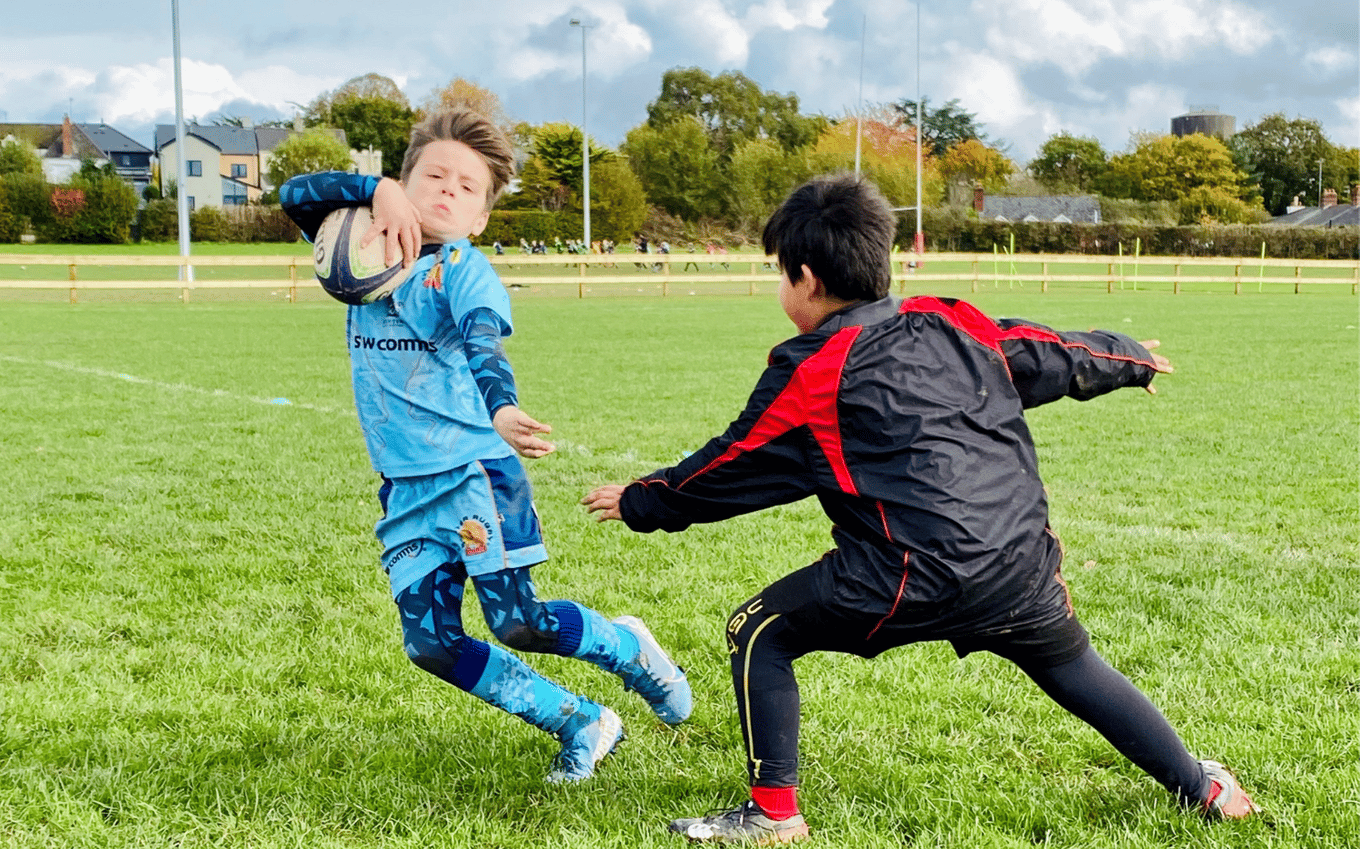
(462,92)
(972,162)
(887,155)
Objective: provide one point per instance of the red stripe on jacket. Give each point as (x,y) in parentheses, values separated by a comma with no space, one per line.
(969,319)
(808,399)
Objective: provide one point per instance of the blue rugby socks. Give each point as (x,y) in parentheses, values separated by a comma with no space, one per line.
(508,683)
(587,635)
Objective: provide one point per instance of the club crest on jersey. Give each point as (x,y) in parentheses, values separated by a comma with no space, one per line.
(435,278)
(475,533)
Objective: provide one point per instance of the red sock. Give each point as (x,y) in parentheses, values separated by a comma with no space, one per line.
(778,803)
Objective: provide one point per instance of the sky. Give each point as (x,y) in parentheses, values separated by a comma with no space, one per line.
(1027,69)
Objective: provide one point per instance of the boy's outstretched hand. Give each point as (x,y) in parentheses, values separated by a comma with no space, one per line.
(1160,363)
(605,501)
(397,219)
(519,429)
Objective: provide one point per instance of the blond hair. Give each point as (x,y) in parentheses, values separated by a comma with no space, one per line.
(472,129)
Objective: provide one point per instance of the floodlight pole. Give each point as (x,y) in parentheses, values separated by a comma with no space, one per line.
(920,242)
(859,107)
(1319,184)
(585,137)
(186,272)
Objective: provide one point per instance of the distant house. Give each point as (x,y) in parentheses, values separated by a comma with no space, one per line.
(1330,214)
(63,147)
(1068,209)
(229,166)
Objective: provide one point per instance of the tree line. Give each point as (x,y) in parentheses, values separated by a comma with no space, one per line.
(717,153)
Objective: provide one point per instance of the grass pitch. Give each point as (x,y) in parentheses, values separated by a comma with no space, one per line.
(197,648)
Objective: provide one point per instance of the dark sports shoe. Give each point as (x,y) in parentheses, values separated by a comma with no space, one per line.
(747,824)
(1227,800)
(585,746)
(655,677)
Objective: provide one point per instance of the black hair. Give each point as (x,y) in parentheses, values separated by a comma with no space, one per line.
(842,228)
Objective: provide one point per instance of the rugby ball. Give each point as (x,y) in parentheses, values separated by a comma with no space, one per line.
(347,271)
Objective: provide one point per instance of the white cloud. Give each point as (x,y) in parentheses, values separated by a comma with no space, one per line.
(991,89)
(990,86)
(278,86)
(617,45)
(1027,68)
(628,39)
(815,66)
(780,14)
(25,83)
(1329,60)
(614,43)
(1075,34)
(710,28)
(1148,108)
(1346,130)
(142,92)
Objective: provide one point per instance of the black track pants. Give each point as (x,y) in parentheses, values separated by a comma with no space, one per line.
(765,637)
(1093,691)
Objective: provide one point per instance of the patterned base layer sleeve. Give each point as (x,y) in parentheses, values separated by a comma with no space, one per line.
(482,329)
(309,198)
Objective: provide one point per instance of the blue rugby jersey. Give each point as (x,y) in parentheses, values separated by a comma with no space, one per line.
(426,362)
(418,402)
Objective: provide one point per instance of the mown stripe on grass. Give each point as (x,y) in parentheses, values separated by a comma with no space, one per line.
(175,387)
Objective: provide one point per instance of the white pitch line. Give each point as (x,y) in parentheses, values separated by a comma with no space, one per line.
(176,387)
(564,446)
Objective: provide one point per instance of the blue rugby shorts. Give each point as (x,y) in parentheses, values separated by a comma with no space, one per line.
(481,515)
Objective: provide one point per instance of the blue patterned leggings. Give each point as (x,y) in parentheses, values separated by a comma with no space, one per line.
(432,621)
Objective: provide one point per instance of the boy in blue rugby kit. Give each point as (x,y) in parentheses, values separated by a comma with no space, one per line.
(905,419)
(437,403)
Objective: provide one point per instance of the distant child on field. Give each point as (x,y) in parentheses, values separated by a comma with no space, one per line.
(437,404)
(905,419)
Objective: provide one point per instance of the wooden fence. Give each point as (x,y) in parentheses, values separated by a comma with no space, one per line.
(663,273)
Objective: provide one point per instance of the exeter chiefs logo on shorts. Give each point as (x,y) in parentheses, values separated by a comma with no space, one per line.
(475,533)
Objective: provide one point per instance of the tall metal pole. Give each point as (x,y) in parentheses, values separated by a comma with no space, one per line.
(186,272)
(1319,184)
(920,238)
(859,107)
(585,136)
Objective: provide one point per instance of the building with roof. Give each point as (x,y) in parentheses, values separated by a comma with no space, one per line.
(1068,209)
(229,166)
(1330,214)
(63,147)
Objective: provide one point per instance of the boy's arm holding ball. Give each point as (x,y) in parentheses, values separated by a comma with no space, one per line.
(398,219)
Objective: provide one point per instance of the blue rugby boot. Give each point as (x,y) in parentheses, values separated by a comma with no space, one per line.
(654,676)
(590,734)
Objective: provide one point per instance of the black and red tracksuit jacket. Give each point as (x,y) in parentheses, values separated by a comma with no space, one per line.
(906,419)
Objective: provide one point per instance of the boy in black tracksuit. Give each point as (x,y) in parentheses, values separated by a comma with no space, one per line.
(905,419)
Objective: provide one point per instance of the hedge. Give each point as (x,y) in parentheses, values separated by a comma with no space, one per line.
(509,226)
(248,223)
(953,230)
